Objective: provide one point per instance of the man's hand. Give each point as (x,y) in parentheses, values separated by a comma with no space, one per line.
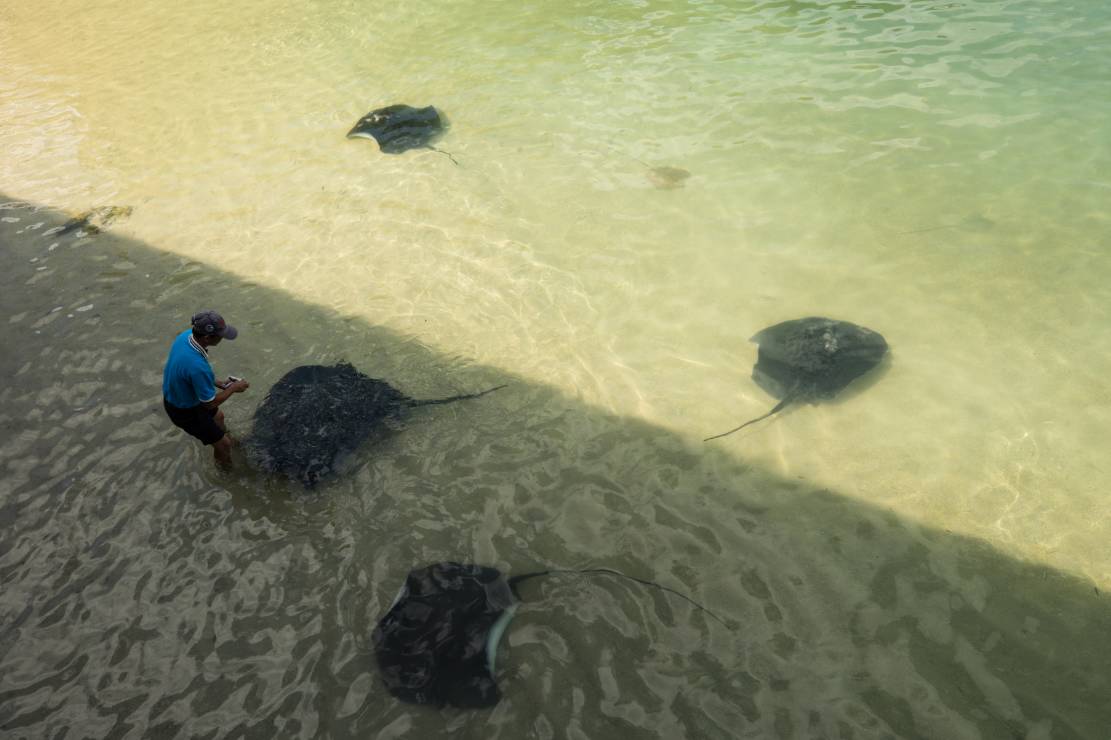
(237,386)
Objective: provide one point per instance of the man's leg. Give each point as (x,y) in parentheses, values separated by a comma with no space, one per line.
(218,417)
(221,450)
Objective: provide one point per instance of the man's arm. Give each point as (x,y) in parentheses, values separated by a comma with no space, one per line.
(227,392)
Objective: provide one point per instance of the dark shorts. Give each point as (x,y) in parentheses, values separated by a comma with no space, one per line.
(198,421)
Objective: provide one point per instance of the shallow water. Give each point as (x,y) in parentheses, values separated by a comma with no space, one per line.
(922,558)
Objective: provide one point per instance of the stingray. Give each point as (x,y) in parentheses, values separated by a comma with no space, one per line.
(812,360)
(667,178)
(438,641)
(316,414)
(399,128)
(92,221)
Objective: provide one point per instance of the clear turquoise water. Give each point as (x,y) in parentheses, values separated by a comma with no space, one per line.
(924,558)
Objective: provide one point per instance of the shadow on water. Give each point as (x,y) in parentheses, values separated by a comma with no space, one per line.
(147,595)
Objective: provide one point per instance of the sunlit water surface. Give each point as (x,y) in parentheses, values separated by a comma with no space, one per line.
(925,557)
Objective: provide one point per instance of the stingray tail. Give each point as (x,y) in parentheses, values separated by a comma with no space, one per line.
(447,154)
(778,407)
(525,576)
(449,399)
(513,582)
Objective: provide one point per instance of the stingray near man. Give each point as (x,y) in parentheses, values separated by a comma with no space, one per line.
(811,359)
(438,641)
(399,128)
(315,415)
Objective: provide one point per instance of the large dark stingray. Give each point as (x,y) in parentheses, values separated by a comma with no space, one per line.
(315,414)
(811,359)
(399,128)
(437,642)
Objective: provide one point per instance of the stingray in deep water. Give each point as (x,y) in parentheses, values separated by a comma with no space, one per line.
(316,414)
(437,642)
(811,359)
(399,128)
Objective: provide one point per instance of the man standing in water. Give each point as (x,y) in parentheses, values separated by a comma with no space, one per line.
(189,387)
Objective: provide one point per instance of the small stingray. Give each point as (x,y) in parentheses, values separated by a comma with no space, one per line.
(662,177)
(315,414)
(437,642)
(667,178)
(399,128)
(91,222)
(811,359)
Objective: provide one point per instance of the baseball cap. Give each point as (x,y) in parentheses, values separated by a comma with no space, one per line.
(211,324)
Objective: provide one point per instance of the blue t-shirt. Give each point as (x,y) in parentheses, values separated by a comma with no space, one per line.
(188,379)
